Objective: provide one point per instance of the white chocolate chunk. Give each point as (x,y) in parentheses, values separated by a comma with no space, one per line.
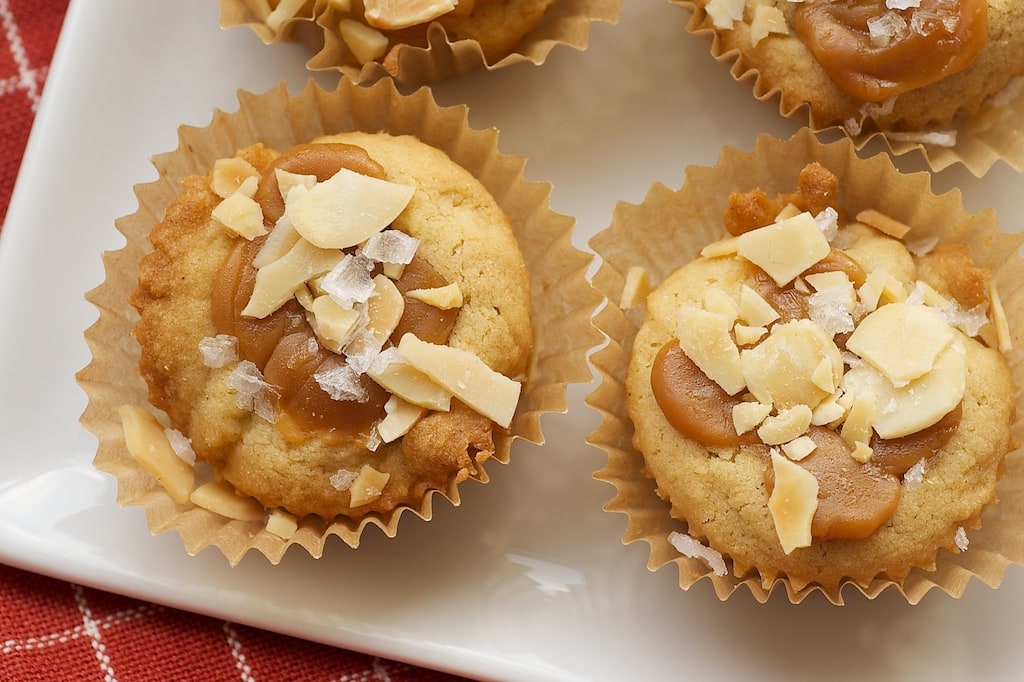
(148,445)
(828,411)
(785,249)
(393,15)
(999,321)
(385,309)
(443,298)
(367,486)
(366,43)
(220,498)
(723,247)
(785,426)
(748,336)
(277,281)
(706,339)
(747,416)
(862,452)
(280,241)
(465,375)
(901,340)
(230,174)
(858,425)
(799,448)
(824,376)
(792,504)
(346,209)
(241,215)
(781,369)
(400,378)
(286,180)
(870,293)
(917,405)
(754,310)
(399,417)
(282,524)
(333,323)
(883,223)
(636,288)
(767,19)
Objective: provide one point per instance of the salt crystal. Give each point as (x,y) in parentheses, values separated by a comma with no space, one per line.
(342,479)
(373,441)
(970,321)
(689,547)
(340,381)
(960,538)
(914,476)
(182,445)
(391,246)
(828,309)
(828,221)
(887,28)
(253,392)
(362,349)
(219,350)
(384,359)
(902,4)
(349,282)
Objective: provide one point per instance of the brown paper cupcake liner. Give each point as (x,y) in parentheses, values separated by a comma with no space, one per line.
(668,229)
(562,300)
(440,58)
(993,134)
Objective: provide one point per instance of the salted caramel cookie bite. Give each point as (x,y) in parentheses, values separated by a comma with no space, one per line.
(316,328)
(821,396)
(419,41)
(944,75)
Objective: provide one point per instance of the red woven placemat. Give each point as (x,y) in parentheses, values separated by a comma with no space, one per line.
(59,631)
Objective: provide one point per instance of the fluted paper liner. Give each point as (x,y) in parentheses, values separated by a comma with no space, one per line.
(562,300)
(566,22)
(994,134)
(668,229)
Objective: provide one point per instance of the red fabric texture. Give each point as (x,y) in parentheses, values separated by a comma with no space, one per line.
(59,631)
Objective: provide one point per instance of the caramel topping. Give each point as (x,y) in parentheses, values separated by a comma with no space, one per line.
(694,405)
(283,345)
(320,159)
(873,53)
(896,455)
(304,406)
(854,499)
(231,291)
(426,322)
(790,303)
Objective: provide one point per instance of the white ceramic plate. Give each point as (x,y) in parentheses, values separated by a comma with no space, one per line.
(528,579)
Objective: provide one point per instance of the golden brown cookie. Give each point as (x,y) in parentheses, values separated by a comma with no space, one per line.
(837,411)
(287,454)
(869,64)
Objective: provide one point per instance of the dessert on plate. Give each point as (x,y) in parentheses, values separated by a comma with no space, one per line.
(940,75)
(423,41)
(820,386)
(332,326)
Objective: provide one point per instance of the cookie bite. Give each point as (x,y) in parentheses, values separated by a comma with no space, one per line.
(819,389)
(943,76)
(420,42)
(329,328)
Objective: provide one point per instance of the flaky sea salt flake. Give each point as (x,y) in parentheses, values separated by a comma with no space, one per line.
(182,445)
(342,479)
(341,382)
(218,351)
(391,246)
(689,547)
(350,281)
(960,538)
